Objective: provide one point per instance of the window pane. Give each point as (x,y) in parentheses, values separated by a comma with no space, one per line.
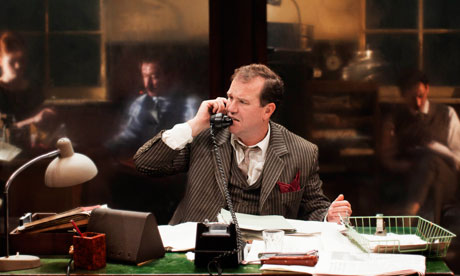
(399,51)
(67,15)
(35,58)
(441,14)
(24,15)
(391,14)
(75,59)
(442,58)
(283,35)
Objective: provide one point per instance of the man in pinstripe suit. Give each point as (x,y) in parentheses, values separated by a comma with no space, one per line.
(270,170)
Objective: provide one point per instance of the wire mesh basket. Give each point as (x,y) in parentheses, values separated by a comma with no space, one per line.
(399,234)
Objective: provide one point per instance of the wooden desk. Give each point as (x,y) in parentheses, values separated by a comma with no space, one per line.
(172,264)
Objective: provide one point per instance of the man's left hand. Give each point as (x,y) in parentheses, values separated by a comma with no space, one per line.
(339,208)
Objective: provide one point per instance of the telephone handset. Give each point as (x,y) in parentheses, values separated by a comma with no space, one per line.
(220,120)
(216,243)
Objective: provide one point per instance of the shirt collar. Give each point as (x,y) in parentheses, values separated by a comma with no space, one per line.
(426,107)
(263,145)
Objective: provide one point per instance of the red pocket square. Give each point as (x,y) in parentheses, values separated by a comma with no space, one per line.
(291,187)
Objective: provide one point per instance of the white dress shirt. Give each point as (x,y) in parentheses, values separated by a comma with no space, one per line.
(181,134)
(256,158)
(453,137)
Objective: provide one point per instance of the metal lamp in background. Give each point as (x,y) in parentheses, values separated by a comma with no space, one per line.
(67,169)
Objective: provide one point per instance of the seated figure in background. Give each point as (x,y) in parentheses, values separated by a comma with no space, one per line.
(158,106)
(20,99)
(421,143)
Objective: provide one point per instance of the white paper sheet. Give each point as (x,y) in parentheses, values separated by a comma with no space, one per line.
(255,222)
(180,237)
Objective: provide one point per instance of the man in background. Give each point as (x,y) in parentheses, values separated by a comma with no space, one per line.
(159,105)
(421,143)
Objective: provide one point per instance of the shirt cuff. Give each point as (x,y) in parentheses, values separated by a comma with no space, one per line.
(178,137)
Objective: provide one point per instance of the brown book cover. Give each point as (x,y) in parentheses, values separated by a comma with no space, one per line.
(307,260)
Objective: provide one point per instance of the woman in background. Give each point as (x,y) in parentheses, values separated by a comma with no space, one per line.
(20,100)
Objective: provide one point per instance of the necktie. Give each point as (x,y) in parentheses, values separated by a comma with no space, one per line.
(154,108)
(244,165)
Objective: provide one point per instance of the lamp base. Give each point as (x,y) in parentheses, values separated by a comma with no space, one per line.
(19,262)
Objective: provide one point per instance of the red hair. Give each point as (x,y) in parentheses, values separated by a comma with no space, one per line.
(11,42)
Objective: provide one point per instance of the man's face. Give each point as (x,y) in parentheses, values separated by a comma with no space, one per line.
(250,119)
(150,75)
(416,97)
(12,66)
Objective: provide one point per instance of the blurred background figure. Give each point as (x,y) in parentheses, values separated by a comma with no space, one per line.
(159,104)
(421,142)
(20,99)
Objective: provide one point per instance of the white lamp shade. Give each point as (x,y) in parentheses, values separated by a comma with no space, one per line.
(69,171)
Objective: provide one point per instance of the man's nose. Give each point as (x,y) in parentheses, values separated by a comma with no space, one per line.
(230,107)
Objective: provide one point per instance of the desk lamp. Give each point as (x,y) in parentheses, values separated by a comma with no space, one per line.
(67,169)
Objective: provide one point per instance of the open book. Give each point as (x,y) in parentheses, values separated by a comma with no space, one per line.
(59,221)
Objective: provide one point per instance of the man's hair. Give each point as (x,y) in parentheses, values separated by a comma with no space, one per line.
(11,42)
(273,89)
(410,78)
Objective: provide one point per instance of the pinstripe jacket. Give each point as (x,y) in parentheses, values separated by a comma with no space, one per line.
(287,155)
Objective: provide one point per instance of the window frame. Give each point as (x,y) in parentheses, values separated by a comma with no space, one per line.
(72,94)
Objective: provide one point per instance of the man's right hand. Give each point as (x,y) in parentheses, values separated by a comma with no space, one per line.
(201,120)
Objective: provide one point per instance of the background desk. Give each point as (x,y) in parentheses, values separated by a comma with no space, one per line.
(172,264)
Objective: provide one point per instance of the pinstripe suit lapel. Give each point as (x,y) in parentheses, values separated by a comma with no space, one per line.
(274,164)
(225,149)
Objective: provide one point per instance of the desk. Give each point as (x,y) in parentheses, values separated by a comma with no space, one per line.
(172,264)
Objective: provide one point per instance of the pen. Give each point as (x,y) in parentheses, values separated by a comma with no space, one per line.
(76,228)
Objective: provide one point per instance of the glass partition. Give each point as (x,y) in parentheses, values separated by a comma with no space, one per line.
(108,74)
(341,61)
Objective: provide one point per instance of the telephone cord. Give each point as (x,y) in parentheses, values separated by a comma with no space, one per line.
(227,198)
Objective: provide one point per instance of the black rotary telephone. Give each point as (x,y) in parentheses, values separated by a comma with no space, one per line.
(219,244)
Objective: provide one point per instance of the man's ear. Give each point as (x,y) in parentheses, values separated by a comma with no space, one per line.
(268,110)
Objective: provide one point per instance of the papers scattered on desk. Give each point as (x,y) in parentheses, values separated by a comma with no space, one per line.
(180,237)
(329,239)
(346,263)
(339,256)
(255,222)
